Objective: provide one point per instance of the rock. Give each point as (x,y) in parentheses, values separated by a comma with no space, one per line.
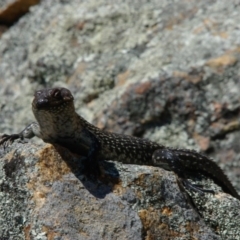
(163,70)
(11,11)
(45,195)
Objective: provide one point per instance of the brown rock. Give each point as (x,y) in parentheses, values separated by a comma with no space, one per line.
(14,10)
(222,61)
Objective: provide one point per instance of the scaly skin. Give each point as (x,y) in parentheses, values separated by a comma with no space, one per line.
(58,123)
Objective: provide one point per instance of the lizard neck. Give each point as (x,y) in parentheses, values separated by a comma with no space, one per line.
(60,124)
(84,124)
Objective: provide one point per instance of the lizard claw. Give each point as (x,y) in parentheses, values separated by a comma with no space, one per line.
(196,187)
(6,139)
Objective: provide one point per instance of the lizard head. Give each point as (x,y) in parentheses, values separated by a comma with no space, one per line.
(55,113)
(53,99)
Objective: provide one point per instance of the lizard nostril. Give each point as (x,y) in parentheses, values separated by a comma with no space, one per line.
(41,103)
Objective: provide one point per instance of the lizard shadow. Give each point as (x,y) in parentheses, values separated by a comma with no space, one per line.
(99,187)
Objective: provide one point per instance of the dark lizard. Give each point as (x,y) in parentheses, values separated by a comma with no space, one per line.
(58,123)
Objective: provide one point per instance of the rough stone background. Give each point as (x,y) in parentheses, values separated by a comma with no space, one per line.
(163,70)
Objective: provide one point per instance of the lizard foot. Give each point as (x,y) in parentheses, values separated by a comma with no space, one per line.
(6,139)
(91,169)
(196,187)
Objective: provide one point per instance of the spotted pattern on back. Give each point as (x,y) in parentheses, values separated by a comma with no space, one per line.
(123,148)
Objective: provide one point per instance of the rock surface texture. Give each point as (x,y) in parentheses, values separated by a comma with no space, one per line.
(44,195)
(163,70)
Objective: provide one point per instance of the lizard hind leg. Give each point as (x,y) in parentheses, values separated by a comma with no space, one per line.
(168,159)
(195,187)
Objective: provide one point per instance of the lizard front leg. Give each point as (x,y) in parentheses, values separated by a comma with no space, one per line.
(169,159)
(29,132)
(91,162)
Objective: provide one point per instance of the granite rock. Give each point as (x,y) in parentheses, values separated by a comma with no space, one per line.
(163,70)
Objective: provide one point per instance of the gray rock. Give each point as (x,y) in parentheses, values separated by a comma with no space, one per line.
(164,70)
(44,194)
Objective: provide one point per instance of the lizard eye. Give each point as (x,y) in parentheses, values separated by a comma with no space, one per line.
(57,94)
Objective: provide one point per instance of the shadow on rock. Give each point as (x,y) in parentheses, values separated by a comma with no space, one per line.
(97,186)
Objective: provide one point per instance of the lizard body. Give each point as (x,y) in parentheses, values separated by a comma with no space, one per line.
(58,123)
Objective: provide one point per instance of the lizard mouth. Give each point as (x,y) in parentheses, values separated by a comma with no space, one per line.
(54,97)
